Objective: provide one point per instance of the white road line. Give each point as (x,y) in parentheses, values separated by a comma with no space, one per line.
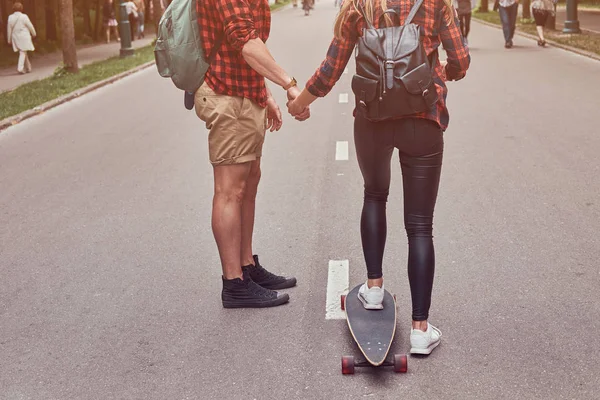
(341,151)
(337,284)
(343,98)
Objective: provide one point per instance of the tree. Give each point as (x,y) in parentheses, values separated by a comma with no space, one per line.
(50,12)
(67,28)
(157,11)
(98,24)
(526,11)
(483,6)
(85,11)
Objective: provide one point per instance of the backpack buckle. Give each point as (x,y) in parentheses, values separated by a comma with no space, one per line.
(425,92)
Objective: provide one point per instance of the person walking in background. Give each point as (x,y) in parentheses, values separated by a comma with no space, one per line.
(20,32)
(508,15)
(110,20)
(463,7)
(541,10)
(132,15)
(141,7)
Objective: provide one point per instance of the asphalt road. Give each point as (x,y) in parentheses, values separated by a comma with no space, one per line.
(110,279)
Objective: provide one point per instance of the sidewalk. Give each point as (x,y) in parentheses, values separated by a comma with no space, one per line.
(44,66)
(589,19)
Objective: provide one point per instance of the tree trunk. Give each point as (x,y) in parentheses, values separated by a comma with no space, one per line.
(67,29)
(87,23)
(51,20)
(526,4)
(98,25)
(157,12)
(483,6)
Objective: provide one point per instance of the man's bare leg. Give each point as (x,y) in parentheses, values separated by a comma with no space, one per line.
(248,211)
(230,189)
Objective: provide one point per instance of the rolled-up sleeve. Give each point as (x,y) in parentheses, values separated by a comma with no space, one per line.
(237,22)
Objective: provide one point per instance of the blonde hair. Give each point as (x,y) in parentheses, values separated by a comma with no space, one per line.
(369,11)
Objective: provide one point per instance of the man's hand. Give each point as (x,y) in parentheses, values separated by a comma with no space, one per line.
(301,114)
(274,120)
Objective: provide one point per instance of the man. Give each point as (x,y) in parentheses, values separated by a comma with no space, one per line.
(508,15)
(132,15)
(141,10)
(238,108)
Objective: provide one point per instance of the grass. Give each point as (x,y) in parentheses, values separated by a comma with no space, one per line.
(62,83)
(280,4)
(584,41)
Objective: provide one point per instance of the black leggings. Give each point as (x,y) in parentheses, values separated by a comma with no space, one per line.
(465,24)
(421,146)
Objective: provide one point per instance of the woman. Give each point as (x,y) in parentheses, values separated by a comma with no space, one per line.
(110,20)
(132,15)
(541,10)
(419,139)
(20,34)
(464,16)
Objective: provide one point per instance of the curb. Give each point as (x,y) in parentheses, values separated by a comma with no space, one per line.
(14,120)
(551,42)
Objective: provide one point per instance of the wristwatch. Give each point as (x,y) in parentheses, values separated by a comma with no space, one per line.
(291,84)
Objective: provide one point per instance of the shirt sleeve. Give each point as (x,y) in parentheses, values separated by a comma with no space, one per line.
(238,22)
(457,51)
(30,27)
(337,58)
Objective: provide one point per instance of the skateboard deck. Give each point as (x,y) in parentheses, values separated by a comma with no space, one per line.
(373,331)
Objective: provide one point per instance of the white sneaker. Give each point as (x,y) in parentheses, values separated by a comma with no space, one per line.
(372,299)
(424,342)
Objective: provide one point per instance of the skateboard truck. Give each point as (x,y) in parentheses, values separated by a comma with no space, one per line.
(400,364)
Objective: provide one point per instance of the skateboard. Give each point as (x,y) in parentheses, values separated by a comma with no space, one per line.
(373,331)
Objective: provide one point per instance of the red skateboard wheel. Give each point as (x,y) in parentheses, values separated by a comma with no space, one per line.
(347,365)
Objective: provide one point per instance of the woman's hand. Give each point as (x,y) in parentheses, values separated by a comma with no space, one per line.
(274,120)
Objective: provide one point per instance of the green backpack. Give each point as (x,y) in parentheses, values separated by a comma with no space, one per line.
(178,51)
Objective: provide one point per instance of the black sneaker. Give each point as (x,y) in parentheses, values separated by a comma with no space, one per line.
(266,279)
(246,293)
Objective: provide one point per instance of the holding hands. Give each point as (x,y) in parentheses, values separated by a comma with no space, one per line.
(295,108)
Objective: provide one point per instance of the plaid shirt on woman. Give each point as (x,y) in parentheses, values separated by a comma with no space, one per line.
(434,30)
(239,21)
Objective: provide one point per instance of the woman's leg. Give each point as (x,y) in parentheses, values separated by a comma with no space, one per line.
(421,145)
(21,62)
(461,19)
(374,150)
(467,25)
(27,62)
(108,28)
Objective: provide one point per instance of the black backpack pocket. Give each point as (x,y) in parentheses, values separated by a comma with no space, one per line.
(365,90)
(421,88)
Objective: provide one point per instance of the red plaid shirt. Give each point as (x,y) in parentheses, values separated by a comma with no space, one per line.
(239,21)
(434,31)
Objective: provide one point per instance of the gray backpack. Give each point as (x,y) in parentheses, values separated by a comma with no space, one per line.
(178,51)
(393,74)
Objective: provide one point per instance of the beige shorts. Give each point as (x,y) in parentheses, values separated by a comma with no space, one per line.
(236,126)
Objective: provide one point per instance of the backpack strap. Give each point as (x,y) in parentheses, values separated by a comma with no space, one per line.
(413,12)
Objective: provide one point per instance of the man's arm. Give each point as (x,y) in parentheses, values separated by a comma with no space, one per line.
(257,55)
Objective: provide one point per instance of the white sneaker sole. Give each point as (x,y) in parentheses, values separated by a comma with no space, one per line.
(426,351)
(368,306)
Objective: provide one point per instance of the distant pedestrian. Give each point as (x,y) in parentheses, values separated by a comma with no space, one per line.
(463,7)
(141,7)
(508,15)
(541,10)
(20,33)
(132,15)
(110,20)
